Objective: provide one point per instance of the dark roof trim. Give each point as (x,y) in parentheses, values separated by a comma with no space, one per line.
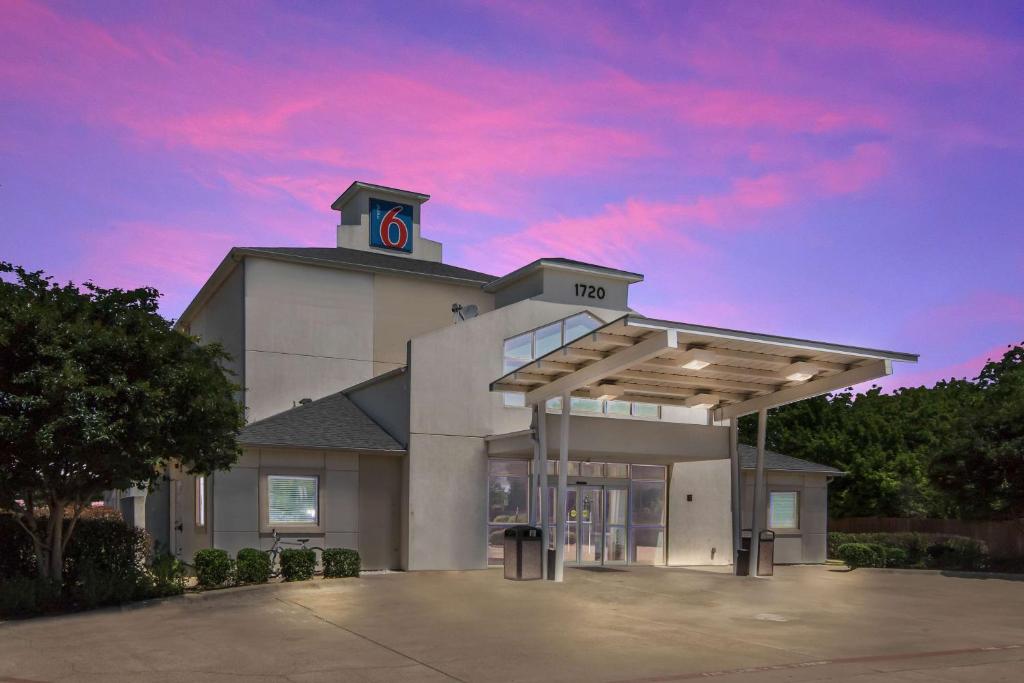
(562,264)
(777,462)
(370,187)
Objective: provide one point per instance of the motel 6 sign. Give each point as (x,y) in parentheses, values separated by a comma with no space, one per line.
(390,225)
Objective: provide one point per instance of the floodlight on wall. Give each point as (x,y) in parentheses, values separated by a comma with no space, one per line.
(607,392)
(701,401)
(800,371)
(696,359)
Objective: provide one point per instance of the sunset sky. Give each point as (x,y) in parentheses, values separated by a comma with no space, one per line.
(846,172)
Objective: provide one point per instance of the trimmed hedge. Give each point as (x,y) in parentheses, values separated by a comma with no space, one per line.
(213,567)
(252,566)
(917,551)
(340,562)
(297,564)
(860,555)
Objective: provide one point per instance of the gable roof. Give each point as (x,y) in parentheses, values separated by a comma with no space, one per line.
(562,264)
(777,462)
(330,422)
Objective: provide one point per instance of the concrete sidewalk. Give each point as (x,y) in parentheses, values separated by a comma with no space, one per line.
(644,624)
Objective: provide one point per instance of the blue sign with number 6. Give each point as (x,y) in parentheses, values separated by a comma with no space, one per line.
(390,225)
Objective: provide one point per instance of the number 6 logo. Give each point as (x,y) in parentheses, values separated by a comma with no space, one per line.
(391,225)
(391,218)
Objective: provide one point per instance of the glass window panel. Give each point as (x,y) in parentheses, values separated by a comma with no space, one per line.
(648,471)
(591,469)
(514,399)
(518,351)
(574,469)
(615,544)
(647,546)
(585,405)
(616,470)
(783,510)
(571,514)
(552,467)
(618,407)
(547,339)
(578,325)
(616,506)
(292,500)
(555,405)
(496,544)
(648,502)
(645,410)
(200,501)
(519,468)
(508,500)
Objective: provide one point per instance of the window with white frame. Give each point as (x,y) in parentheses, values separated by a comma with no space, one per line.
(200,501)
(783,510)
(508,503)
(293,499)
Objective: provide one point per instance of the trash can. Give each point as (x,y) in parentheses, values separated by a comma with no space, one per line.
(522,553)
(766,553)
(743,554)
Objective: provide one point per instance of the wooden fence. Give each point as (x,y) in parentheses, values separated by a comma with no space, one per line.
(1004,539)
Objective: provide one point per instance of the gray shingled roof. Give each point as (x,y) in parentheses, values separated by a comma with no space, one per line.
(780,462)
(372,261)
(330,422)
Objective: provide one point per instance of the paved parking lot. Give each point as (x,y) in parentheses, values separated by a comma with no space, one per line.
(645,624)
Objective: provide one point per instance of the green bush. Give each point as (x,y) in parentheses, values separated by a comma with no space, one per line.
(958,552)
(340,562)
(860,555)
(252,566)
(297,564)
(96,586)
(166,577)
(213,567)
(25,596)
(896,557)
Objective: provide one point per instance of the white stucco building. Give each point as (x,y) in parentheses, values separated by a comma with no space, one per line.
(407,408)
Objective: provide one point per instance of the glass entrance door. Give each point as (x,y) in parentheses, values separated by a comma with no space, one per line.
(591,525)
(595,524)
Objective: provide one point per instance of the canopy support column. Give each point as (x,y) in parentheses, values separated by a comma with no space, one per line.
(735,484)
(540,468)
(563,474)
(759,491)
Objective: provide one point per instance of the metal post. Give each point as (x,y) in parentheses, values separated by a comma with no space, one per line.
(759,491)
(734,481)
(535,476)
(563,473)
(541,467)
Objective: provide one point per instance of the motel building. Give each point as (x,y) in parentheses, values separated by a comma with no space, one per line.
(407,408)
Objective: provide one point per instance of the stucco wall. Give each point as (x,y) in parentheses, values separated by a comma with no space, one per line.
(221,320)
(236,519)
(808,544)
(700,530)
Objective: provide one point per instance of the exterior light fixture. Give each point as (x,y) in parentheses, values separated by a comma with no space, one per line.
(696,359)
(800,371)
(701,401)
(607,392)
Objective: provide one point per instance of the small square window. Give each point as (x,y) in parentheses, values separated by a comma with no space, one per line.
(293,499)
(783,510)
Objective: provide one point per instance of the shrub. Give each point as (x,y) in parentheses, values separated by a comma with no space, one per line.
(896,557)
(95,586)
(958,552)
(166,577)
(297,564)
(25,596)
(935,551)
(213,567)
(340,562)
(252,566)
(859,555)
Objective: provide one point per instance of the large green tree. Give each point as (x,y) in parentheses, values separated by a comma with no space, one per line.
(98,392)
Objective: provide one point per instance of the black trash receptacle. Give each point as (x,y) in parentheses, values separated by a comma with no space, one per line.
(743,554)
(766,553)
(522,553)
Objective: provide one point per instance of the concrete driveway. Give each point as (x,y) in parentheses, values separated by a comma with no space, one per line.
(645,624)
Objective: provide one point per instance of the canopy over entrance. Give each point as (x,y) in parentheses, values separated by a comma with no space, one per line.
(730,372)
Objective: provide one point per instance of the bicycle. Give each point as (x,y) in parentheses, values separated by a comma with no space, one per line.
(276,548)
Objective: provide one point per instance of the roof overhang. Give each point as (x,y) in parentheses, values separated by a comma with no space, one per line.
(370,187)
(731,372)
(563,265)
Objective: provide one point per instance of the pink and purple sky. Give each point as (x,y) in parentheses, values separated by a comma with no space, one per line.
(847,172)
